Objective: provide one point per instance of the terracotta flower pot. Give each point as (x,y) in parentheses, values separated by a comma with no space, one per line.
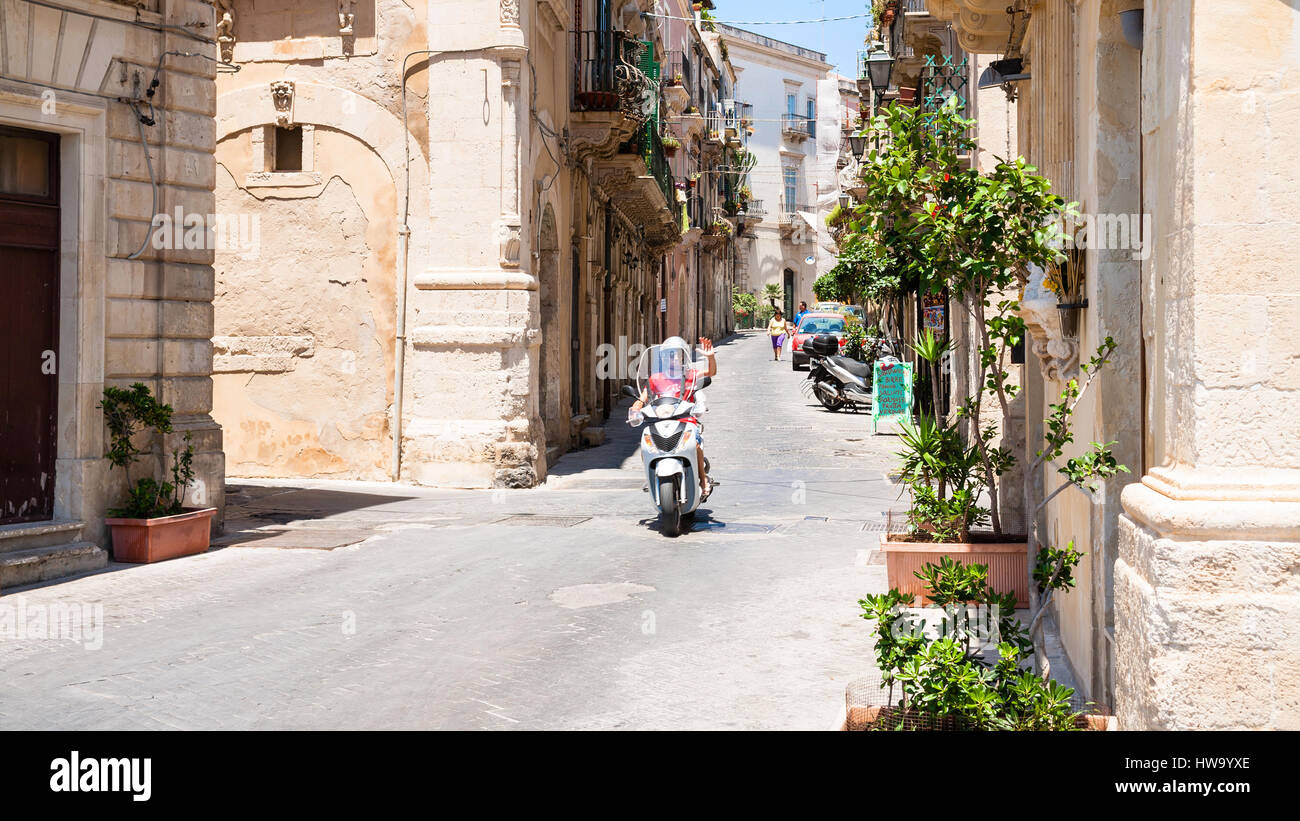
(154,540)
(889,718)
(1006,561)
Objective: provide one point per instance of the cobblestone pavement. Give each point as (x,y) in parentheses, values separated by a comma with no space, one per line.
(356,605)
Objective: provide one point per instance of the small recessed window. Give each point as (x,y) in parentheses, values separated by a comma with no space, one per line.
(288,149)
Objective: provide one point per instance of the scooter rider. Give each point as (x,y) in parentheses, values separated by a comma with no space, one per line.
(673,369)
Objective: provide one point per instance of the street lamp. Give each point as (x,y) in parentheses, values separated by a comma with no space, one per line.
(879,65)
(844,202)
(857,145)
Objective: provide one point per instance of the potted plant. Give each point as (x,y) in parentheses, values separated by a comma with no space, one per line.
(152,525)
(671,144)
(971,234)
(969,673)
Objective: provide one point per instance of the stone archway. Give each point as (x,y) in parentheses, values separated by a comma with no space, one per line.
(553,367)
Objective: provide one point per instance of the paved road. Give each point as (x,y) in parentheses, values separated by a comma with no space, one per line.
(353,605)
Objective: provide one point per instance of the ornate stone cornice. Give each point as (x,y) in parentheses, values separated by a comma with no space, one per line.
(982,26)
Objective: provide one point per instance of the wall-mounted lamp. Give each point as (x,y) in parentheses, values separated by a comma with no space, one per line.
(1133,22)
(857,145)
(879,64)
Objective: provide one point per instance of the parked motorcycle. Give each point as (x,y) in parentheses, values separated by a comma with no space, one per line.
(840,381)
(668,438)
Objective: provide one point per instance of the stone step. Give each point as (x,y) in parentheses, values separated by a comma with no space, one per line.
(27,535)
(40,564)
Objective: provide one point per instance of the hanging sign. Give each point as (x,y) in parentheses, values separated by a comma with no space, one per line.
(934,319)
(892,394)
(663,306)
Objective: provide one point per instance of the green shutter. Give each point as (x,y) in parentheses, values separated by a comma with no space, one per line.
(649,65)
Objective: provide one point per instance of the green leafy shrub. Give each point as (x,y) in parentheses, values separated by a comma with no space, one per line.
(132,411)
(946,681)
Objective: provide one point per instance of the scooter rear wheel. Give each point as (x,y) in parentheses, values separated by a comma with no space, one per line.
(670,510)
(829,402)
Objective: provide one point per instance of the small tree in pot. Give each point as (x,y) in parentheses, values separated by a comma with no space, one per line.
(152,524)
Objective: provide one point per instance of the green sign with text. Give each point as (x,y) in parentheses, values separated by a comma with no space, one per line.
(892,394)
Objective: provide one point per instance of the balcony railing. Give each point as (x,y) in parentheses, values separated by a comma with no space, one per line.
(597,59)
(696,212)
(915,7)
(677,66)
(797,126)
(754,210)
(650,147)
(788,210)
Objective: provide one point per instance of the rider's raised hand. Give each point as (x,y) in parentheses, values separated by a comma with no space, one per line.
(706,346)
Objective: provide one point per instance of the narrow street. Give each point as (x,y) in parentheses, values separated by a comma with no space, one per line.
(354,605)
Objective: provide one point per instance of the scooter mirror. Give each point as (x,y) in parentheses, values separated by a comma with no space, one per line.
(628,390)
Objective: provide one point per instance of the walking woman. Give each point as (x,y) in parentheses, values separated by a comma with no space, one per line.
(776,329)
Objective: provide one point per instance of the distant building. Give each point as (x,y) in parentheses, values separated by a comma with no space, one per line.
(798,106)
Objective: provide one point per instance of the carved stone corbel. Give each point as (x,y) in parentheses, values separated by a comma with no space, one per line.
(1058,356)
(282,99)
(510,12)
(226,30)
(346,17)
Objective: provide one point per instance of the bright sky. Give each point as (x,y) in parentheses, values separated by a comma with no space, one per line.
(840,40)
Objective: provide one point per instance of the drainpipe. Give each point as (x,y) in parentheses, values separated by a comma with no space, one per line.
(399,344)
(403,236)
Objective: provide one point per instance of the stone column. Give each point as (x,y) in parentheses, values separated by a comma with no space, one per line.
(1207,597)
(472,372)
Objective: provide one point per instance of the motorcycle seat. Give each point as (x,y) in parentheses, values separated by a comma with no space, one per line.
(859,369)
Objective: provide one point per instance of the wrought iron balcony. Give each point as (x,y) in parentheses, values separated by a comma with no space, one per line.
(798,127)
(605,70)
(612,96)
(649,145)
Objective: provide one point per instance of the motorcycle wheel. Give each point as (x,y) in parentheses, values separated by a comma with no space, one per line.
(670,511)
(829,402)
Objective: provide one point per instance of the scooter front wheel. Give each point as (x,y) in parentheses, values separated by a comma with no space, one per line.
(670,509)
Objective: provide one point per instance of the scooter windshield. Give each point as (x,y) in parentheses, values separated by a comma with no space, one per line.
(664,371)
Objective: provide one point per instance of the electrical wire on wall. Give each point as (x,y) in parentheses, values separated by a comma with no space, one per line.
(546,131)
(141,120)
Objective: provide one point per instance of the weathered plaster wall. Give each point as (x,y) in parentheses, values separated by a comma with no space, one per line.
(337,243)
(305,323)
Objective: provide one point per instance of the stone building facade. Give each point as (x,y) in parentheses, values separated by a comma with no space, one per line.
(469,221)
(92,300)
(1172,135)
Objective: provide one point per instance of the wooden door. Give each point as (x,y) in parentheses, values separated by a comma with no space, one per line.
(29,323)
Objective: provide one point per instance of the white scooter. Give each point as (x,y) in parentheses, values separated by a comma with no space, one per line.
(840,381)
(669,449)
